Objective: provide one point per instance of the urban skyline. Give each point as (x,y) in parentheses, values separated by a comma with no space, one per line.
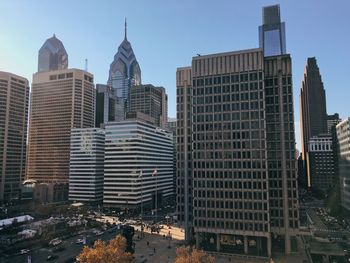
(145,33)
(255,164)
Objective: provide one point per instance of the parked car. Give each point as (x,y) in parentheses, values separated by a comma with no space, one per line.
(99,233)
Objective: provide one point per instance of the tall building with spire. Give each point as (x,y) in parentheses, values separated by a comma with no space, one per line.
(124,72)
(52,55)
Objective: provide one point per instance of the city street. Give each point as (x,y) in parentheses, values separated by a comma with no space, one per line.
(71,250)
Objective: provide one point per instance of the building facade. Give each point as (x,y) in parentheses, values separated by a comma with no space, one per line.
(184,178)
(272,36)
(52,55)
(241,155)
(171,125)
(150,100)
(105,105)
(14,98)
(321,163)
(138,166)
(124,73)
(230,183)
(313,113)
(343,136)
(281,152)
(86,165)
(61,100)
(332,121)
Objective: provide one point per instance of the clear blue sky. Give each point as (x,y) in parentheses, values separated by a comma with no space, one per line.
(166,34)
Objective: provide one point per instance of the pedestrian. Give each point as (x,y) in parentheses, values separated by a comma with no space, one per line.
(154,250)
(147,243)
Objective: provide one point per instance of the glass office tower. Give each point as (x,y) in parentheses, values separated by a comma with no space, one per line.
(52,55)
(124,73)
(272,36)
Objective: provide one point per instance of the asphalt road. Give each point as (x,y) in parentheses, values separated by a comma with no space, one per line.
(71,250)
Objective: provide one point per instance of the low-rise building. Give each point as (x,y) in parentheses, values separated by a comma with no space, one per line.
(321,163)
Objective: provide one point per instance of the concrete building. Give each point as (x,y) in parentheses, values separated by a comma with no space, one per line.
(133,151)
(272,36)
(14,98)
(343,136)
(240,158)
(229,153)
(281,152)
(321,163)
(171,125)
(184,177)
(52,55)
(86,165)
(105,105)
(61,100)
(236,164)
(124,73)
(332,121)
(150,100)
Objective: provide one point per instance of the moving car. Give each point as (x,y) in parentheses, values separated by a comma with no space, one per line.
(79,241)
(55,242)
(51,257)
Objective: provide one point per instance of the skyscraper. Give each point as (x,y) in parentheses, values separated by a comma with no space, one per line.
(236,165)
(150,100)
(313,114)
(105,104)
(230,182)
(272,36)
(61,100)
(14,97)
(52,55)
(242,156)
(124,72)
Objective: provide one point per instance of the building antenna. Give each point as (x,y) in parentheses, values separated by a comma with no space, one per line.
(86,64)
(125,29)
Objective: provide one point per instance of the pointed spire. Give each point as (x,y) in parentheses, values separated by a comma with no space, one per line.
(125,29)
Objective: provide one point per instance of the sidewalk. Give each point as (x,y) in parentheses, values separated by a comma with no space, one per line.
(144,248)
